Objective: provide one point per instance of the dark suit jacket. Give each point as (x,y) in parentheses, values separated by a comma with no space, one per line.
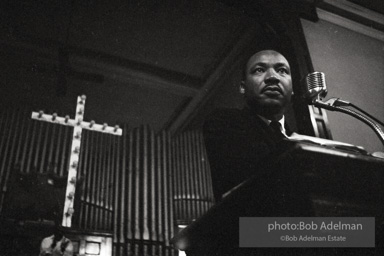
(236,140)
(240,146)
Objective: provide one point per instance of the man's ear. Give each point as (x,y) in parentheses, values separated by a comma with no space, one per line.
(242,87)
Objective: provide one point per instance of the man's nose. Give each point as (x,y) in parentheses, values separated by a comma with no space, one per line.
(271,76)
(271,79)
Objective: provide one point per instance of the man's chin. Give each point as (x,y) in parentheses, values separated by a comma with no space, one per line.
(272,103)
(272,106)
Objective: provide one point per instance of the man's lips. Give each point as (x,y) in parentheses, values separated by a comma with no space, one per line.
(272,89)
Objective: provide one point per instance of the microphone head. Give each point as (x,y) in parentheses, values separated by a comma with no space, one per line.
(315,86)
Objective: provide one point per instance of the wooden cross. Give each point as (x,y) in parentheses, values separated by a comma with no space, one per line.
(78,125)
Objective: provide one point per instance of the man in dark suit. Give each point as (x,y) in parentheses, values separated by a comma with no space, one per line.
(243,145)
(236,140)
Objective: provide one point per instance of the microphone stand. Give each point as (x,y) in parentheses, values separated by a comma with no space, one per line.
(335,104)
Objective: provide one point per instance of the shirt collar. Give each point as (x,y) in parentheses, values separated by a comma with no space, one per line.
(281,121)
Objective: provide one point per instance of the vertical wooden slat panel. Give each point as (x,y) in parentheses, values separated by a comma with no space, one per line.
(51,146)
(117,168)
(102,182)
(107,164)
(31,146)
(154,206)
(89,176)
(190,195)
(105,174)
(202,160)
(20,138)
(63,165)
(206,186)
(130,197)
(136,199)
(170,190)
(57,148)
(207,179)
(83,172)
(151,191)
(89,159)
(37,144)
(110,183)
(187,177)
(44,129)
(204,172)
(93,193)
(23,160)
(199,183)
(108,207)
(194,196)
(180,185)
(178,171)
(169,165)
(160,189)
(184,173)
(98,182)
(144,170)
(165,187)
(93,185)
(64,151)
(126,186)
(118,196)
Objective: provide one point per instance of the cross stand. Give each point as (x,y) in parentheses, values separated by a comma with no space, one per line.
(78,125)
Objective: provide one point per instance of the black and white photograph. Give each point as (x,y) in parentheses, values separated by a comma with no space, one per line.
(191,128)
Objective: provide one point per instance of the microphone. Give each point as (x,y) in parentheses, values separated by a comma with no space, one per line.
(316,87)
(316,90)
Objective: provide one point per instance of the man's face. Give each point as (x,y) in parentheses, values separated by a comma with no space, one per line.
(268,83)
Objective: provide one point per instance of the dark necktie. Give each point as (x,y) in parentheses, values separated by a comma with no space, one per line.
(276,129)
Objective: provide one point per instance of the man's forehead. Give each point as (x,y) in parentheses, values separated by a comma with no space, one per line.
(267,56)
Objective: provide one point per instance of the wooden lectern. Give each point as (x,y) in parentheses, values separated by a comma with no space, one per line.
(305,180)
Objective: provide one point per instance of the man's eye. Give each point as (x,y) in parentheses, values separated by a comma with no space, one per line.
(258,70)
(283,71)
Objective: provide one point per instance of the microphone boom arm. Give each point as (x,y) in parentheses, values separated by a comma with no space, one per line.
(335,104)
